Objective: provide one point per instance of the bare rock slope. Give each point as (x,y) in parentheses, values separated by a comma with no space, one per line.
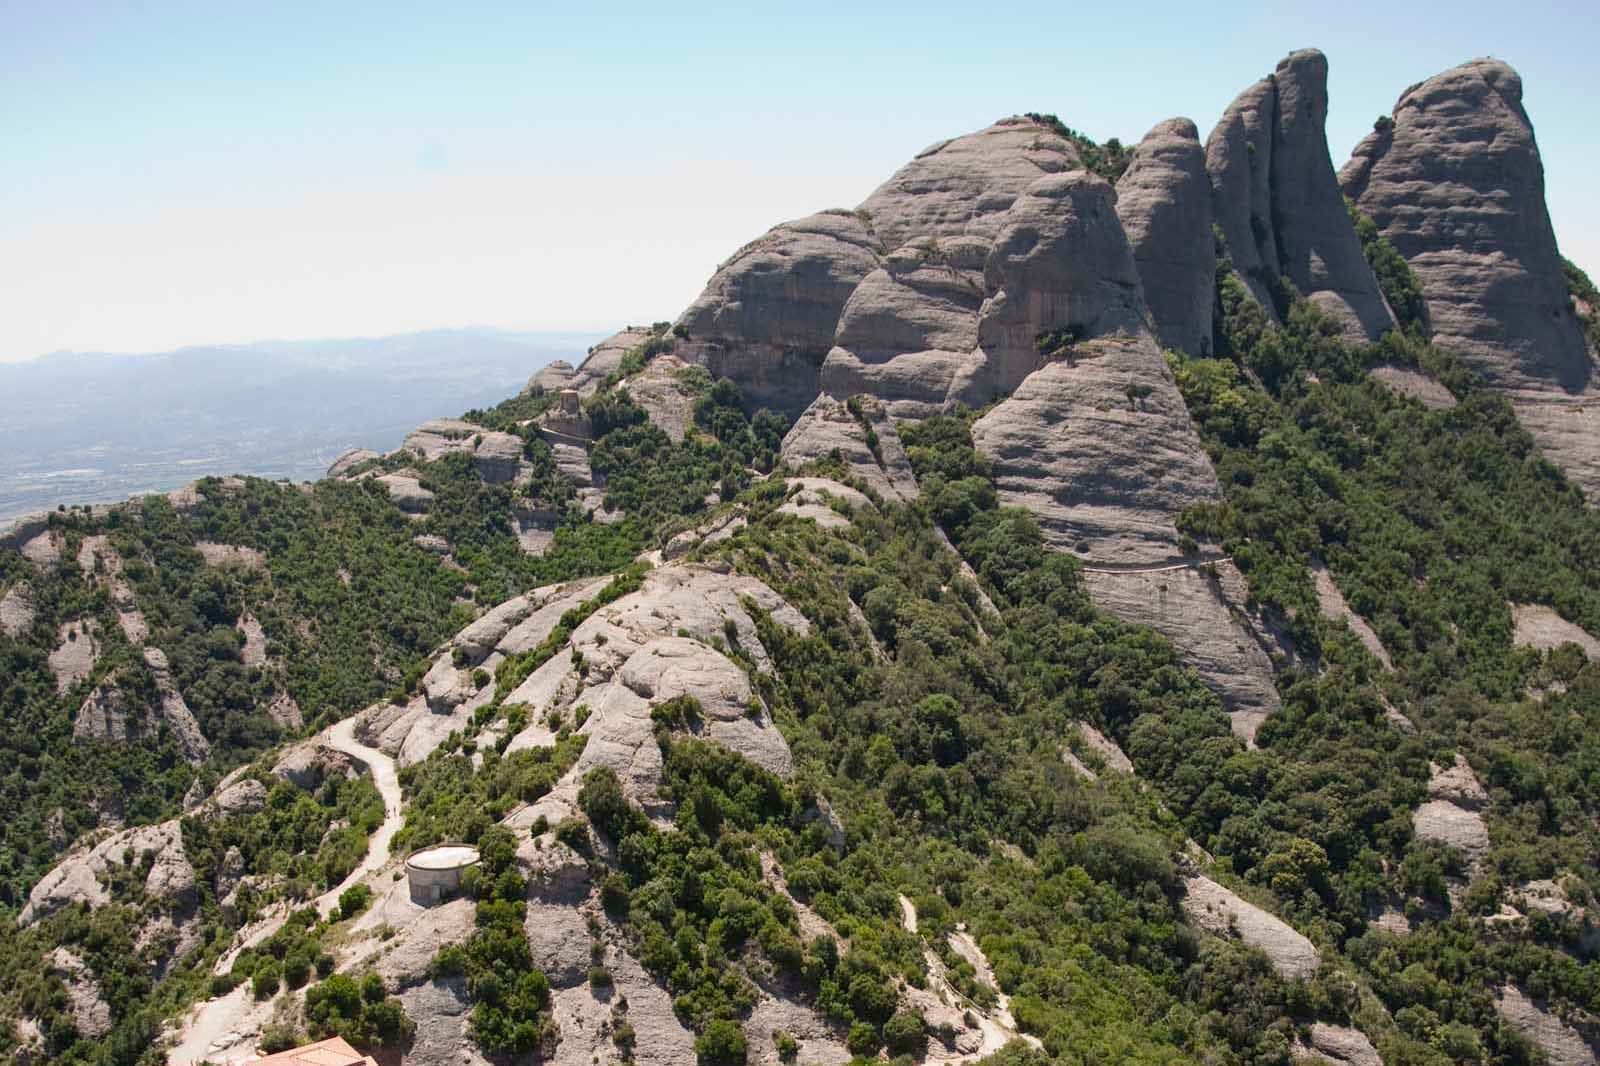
(1278,202)
(1164,202)
(1456,184)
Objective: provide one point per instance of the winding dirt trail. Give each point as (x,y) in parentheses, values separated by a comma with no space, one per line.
(999,1028)
(223,1030)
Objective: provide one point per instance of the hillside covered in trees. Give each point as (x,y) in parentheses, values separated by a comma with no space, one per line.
(1087,604)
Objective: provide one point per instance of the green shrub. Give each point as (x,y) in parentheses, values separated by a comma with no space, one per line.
(266,979)
(721,1044)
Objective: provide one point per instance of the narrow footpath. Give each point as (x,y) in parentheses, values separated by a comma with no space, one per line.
(223,1030)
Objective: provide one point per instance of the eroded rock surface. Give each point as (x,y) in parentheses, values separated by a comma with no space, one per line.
(17,609)
(1278,202)
(1342,1045)
(1451,814)
(1188,608)
(1457,186)
(911,327)
(76,651)
(1334,607)
(1216,909)
(828,426)
(1164,202)
(407,492)
(1100,448)
(174,711)
(349,460)
(230,555)
(960,186)
(766,318)
(655,645)
(496,456)
(76,878)
(88,1007)
(1414,383)
(1538,626)
(1562,1044)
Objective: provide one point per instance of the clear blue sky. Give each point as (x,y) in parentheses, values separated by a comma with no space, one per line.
(191,173)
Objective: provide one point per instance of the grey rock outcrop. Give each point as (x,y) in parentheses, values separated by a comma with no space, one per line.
(17,609)
(174,711)
(828,426)
(1212,907)
(85,1003)
(910,327)
(1450,816)
(21,531)
(962,186)
(1562,1044)
(104,714)
(349,460)
(230,555)
(766,318)
(1060,263)
(553,377)
(1278,203)
(1342,1046)
(1164,202)
(307,764)
(496,456)
(407,492)
(248,796)
(1195,611)
(1100,448)
(77,650)
(1427,391)
(603,359)
(77,877)
(661,390)
(1456,184)
(1536,626)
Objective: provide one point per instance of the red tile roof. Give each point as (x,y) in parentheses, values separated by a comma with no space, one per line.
(331,1052)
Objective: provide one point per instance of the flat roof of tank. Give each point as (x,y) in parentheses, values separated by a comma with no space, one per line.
(444,857)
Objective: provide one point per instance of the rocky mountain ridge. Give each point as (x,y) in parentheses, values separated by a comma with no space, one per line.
(684,635)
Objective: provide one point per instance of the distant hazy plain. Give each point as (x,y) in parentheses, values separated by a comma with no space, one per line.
(88,428)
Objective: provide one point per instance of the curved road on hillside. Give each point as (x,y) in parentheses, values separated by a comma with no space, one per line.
(223,1030)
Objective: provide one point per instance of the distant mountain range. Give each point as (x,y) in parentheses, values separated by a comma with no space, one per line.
(83,427)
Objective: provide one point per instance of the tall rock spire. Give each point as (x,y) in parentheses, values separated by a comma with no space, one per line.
(1164,202)
(1455,183)
(1278,203)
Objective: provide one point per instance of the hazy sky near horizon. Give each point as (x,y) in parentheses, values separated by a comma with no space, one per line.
(188,173)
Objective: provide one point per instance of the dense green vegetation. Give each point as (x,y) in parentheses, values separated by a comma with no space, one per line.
(348,604)
(285,853)
(660,484)
(931,710)
(1432,522)
(1584,292)
(1395,279)
(1108,160)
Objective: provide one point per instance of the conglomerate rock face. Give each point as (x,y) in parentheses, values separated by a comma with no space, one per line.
(1164,202)
(767,316)
(964,185)
(1456,184)
(1277,200)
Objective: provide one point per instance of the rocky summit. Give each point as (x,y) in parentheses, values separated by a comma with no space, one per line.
(1454,181)
(1089,603)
